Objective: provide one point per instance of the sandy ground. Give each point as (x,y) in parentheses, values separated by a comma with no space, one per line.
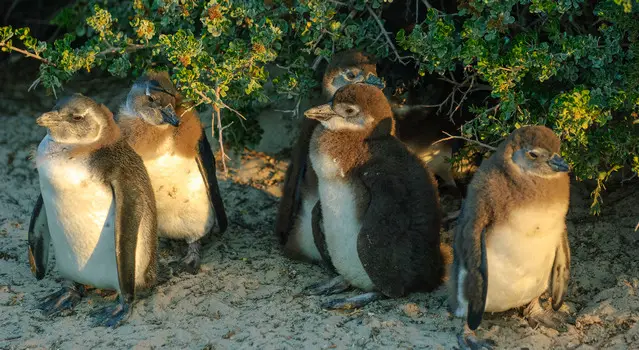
(246,295)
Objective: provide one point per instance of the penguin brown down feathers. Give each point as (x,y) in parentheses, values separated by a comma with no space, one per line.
(299,172)
(348,147)
(145,139)
(395,208)
(346,59)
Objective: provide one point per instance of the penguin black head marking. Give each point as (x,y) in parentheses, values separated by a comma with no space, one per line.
(349,67)
(535,150)
(354,107)
(76,119)
(153,98)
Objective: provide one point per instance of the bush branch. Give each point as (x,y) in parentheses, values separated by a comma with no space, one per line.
(388,38)
(27,53)
(451,137)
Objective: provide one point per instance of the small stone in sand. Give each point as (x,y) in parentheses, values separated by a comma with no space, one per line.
(411,310)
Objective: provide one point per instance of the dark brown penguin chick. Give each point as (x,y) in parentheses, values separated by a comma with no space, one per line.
(378,217)
(168,135)
(100,209)
(299,195)
(511,243)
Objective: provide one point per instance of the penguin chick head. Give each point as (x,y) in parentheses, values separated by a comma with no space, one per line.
(535,151)
(355,107)
(348,67)
(153,97)
(77,119)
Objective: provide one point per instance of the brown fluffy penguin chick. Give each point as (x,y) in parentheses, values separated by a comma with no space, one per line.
(169,137)
(299,195)
(378,217)
(511,244)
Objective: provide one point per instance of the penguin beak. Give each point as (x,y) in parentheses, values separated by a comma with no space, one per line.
(558,164)
(48,119)
(323,112)
(169,116)
(374,80)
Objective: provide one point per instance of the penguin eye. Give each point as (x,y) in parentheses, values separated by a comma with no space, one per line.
(532,155)
(350,75)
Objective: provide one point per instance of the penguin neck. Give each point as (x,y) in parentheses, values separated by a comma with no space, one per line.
(530,187)
(110,135)
(348,149)
(151,141)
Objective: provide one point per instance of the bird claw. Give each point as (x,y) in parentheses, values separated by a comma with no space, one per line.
(471,342)
(333,286)
(355,302)
(112,316)
(61,301)
(537,315)
(191,262)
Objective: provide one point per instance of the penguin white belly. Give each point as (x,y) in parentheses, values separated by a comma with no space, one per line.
(183,206)
(341,230)
(80,212)
(520,256)
(303,230)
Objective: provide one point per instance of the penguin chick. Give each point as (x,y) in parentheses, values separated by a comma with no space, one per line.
(378,217)
(99,209)
(299,196)
(170,139)
(511,243)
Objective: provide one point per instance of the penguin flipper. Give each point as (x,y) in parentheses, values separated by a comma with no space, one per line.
(318,236)
(477,279)
(385,222)
(206,163)
(39,239)
(129,217)
(560,273)
(295,173)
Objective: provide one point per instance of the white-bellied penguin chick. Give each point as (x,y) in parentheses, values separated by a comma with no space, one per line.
(511,244)
(378,217)
(96,206)
(169,137)
(299,195)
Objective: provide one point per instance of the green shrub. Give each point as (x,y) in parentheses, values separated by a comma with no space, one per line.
(570,64)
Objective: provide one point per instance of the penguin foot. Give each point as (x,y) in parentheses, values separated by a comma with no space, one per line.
(191,262)
(333,286)
(112,316)
(536,315)
(471,342)
(61,301)
(355,302)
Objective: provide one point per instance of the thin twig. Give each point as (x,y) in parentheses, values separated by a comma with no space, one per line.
(451,137)
(427,4)
(294,111)
(10,10)
(27,53)
(232,110)
(129,48)
(217,116)
(317,62)
(388,39)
